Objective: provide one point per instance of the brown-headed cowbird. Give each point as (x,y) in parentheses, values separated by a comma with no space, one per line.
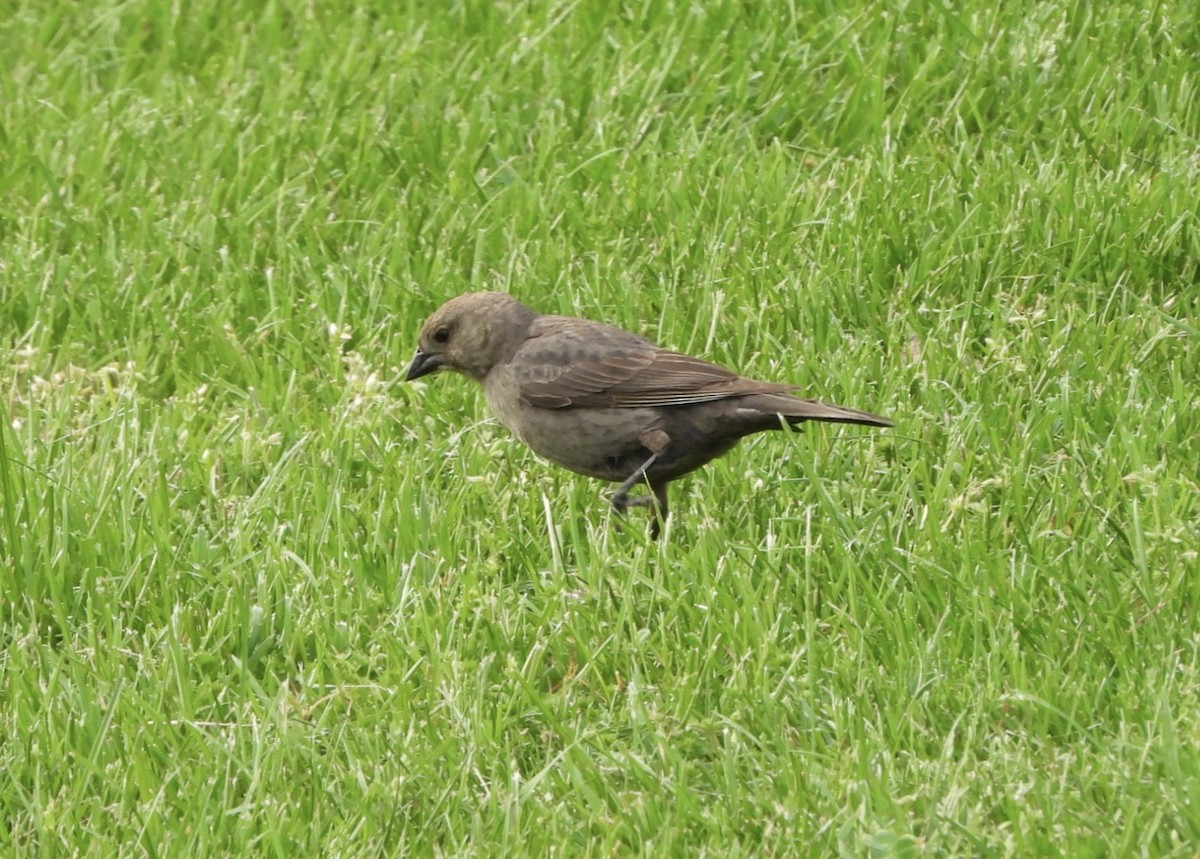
(602,401)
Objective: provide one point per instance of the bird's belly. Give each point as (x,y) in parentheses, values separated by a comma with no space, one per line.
(603,443)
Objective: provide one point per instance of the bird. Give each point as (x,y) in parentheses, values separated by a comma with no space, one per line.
(604,402)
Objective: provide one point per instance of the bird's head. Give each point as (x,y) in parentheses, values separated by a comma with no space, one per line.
(470,334)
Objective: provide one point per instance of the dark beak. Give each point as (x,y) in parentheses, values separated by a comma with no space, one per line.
(422,364)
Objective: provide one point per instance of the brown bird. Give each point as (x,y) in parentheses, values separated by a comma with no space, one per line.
(602,401)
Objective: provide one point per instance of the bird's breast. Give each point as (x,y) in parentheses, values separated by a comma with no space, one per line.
(598,442)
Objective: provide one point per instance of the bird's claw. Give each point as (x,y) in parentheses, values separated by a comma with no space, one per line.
(622,503)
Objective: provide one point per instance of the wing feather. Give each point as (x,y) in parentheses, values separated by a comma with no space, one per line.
(575,363)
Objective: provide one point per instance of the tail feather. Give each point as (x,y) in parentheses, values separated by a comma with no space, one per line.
(795,410)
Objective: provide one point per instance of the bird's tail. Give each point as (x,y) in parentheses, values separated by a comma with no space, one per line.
(795,410)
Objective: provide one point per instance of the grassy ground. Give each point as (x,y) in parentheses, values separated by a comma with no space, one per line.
(257,597)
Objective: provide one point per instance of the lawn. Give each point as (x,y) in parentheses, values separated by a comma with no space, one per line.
(258,596)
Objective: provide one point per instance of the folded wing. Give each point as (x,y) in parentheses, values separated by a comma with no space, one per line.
(611,368)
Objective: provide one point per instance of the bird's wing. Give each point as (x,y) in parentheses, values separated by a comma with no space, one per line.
(571,362)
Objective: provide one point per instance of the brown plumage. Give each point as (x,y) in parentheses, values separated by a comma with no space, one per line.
(602,401)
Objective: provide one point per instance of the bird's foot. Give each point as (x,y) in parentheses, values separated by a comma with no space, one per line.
(641,501)
(657,502)
(622,502)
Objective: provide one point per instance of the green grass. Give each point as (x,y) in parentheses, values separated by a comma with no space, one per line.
(258,597)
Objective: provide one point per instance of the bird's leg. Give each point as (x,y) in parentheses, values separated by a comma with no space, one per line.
(658,505)
(660,509)
(620,500)
(655,441)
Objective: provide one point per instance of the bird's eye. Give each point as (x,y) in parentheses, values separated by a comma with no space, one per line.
(442,335)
